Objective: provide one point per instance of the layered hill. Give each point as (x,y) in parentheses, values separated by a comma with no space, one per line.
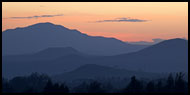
(164,57)
(93,71)
(40,36)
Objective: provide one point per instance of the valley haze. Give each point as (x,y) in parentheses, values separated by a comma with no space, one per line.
(54,49)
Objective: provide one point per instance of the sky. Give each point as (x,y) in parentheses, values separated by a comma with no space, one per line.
(126,21)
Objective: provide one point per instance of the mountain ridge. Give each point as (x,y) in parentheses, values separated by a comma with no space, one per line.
(148,60)
(92,71)
(42,35)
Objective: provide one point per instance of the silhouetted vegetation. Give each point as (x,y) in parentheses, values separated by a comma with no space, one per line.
(40,83)
(95,87)
(134,86)
(52,88)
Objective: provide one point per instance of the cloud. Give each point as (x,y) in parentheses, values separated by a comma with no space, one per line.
(31,17)
(157,40)
(124,19)
(184,38)
(42,6)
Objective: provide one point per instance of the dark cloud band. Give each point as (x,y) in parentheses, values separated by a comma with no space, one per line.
(122,20)
(31,17)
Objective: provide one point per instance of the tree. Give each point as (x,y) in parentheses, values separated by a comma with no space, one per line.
(150,87)
(6,88)
(108,87)
(29,90)
(170,83)
(82,88)
(54,88)
(159,86)
(37,81)
(134,86)
(32,83)
(19,84)
(49,87)
(63,88)
(95,87)
(179,82)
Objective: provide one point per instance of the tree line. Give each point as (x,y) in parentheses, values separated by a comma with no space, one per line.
(41,83)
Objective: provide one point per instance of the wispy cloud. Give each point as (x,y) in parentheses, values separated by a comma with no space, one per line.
(124,19)
(42,6)
(36,17)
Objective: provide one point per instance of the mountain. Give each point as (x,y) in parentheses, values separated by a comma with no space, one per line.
(56,52)
(93,71)
(164,57)
(49,61)
(155,41)
(39,36)
(46,54)
(167,56)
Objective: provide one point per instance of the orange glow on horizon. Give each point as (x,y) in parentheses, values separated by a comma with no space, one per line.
(167,19)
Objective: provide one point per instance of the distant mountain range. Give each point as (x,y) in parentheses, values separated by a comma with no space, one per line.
(164,57)
(39,36)
(93,71)
(155,41)
(46,54)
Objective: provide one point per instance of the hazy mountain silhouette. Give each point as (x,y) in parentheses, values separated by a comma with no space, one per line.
(42,35)
(46,54)
(93,71)
(167,56)
(52,60)
(155,41)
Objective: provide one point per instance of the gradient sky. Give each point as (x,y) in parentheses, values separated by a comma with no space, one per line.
(164,20)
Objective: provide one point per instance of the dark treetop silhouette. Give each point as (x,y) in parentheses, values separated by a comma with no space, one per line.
(41,83)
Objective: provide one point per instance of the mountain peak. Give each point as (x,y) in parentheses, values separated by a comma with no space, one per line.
(93,67)
(167,47)
(45,24)
(39,36)
(177,39)
(57,51)
(62,48)
(37,26)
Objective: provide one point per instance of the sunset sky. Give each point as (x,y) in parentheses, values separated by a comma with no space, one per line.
(127,21)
